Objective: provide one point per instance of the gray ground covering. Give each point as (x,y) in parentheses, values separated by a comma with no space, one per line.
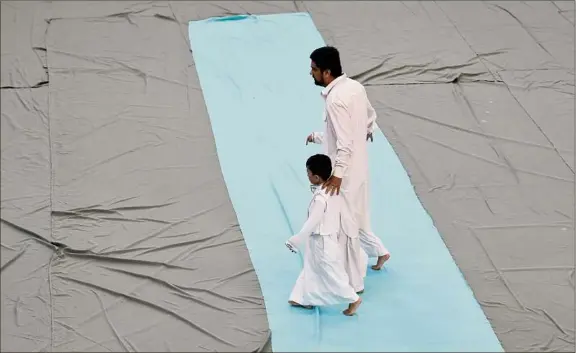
(117,229)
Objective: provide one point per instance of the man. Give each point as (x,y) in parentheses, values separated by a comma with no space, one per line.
(349,123)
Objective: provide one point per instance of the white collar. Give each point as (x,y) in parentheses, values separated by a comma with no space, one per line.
(332,84)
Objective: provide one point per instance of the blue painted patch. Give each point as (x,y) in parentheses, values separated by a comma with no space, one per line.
(262,104)
(229,18)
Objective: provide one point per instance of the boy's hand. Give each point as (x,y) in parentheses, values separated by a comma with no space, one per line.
(332,185)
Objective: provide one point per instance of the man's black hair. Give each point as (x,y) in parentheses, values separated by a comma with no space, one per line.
(321,165)
(327,58)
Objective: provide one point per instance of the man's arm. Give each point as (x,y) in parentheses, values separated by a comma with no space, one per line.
(342,123)
(371,118)
(318,137)
(315,137)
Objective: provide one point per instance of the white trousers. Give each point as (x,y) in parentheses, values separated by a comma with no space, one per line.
(355,261)
(358,202)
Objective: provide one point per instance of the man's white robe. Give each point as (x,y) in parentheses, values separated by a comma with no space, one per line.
(323,279)
(349,117)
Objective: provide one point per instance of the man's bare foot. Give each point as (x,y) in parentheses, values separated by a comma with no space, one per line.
(293,303)
(381,260)
(352,307)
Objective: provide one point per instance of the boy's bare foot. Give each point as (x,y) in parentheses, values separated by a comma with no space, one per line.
(353,307)
(381,260)
(293,303)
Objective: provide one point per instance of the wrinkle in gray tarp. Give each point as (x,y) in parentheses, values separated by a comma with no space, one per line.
(110,182)
(117,230)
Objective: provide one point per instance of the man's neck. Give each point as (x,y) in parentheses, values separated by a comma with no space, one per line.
(331,85)
(328,81)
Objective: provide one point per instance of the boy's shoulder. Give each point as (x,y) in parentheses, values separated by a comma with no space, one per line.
(322,195)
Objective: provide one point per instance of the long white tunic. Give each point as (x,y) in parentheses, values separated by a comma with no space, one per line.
(348,117)
(323,279)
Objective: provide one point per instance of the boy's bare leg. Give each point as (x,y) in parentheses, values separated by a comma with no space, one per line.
(381,260)
(352,307)
(293,303)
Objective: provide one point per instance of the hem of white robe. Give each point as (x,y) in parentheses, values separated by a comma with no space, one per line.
(373,248)
(352,299)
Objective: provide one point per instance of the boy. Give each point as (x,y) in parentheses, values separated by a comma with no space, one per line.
(323,279)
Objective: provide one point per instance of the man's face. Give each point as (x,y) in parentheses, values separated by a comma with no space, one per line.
(317,75)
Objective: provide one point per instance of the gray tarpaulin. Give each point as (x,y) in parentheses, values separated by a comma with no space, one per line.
(117,229)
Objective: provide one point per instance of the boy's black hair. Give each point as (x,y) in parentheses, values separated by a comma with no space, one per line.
(327,58)
(321,165)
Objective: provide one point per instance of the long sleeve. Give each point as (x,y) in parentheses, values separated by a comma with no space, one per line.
(342,123)
(315,213)
(318,137)
(371,117)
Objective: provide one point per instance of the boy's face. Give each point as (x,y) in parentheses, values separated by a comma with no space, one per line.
(314,179)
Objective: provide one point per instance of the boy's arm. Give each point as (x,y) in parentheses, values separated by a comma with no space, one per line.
(317,210)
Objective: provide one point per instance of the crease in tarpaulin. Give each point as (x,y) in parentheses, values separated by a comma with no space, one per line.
(178,289)
(462,129)
(113,65)
(524,27)
(540,314)
(64,249)
(124,295)
(132,297)
(267,340)
(566,163)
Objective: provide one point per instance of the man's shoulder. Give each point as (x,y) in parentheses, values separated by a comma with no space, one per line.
(352,84)
(345,91)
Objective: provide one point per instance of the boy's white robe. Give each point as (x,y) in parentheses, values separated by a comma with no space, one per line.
(323,279)
(348,117)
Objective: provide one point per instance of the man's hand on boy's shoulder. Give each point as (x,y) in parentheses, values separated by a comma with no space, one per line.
(332,185)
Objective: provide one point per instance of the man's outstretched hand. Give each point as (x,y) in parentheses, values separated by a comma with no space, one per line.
(332,185)
(310,139)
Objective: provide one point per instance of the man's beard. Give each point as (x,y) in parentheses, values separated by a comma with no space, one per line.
(319,83)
